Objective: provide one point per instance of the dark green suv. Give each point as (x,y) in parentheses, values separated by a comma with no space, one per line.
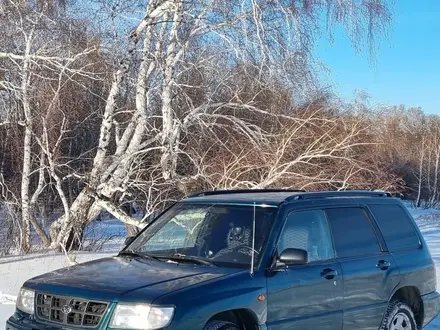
(258,259)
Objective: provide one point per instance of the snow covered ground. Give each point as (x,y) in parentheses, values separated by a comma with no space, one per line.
(16,270)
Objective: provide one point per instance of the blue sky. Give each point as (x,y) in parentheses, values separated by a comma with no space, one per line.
(407,67)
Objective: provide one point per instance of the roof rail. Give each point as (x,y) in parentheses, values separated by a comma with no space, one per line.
(242,191)
(335,194)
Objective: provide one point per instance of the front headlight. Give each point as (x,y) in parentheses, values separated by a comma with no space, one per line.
(141,317)
(25,300)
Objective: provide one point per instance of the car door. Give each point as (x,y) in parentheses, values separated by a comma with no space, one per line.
(369,272)
(306,296)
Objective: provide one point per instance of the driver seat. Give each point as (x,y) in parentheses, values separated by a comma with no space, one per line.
(237,236)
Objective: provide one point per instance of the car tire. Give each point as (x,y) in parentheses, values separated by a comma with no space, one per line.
(399,316)
(220,325)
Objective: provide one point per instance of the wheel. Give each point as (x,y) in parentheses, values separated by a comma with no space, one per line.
(220,325)
(399,316)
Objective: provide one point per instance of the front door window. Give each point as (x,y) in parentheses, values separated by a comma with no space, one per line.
(309,231)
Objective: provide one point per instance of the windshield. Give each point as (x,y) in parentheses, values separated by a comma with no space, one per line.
(221,234)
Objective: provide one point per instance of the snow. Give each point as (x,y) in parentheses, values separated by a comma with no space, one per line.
(108,236)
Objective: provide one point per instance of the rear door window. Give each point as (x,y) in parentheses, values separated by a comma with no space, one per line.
(353,234)
(397,228)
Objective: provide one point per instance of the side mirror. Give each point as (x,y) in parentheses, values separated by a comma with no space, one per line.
(129,239)
(290,257)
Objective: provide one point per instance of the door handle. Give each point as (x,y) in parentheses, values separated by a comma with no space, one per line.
(383,265)
(329,274)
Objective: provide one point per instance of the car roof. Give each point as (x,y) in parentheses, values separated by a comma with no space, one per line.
(272,197)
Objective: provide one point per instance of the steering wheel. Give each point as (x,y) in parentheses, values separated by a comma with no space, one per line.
(234,249)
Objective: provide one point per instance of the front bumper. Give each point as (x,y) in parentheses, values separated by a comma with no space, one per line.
(431,307)
(18,322)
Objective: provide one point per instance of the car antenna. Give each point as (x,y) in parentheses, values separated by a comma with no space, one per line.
(253,242)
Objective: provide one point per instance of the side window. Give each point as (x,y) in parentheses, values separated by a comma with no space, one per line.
(307,230)
(352,232)
(396,227)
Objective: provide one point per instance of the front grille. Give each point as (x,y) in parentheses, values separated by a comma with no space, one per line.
(69,310)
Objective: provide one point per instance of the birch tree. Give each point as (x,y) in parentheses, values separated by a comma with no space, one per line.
(35,64)
(268,39)
(231,73)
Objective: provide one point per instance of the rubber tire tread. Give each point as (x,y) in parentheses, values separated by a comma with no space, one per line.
(394,308)
(220,325)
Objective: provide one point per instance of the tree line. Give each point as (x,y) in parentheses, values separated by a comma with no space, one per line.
(105,104)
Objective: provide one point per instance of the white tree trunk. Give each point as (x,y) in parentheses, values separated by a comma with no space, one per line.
(169,129)
(420,176)
(434,196)
(61,229)
(25,200)
(33,202)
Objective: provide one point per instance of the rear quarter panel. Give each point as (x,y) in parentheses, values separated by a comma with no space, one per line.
(416,269)
(416,266)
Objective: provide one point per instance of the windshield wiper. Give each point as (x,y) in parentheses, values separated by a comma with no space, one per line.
(184,257)
(137,254)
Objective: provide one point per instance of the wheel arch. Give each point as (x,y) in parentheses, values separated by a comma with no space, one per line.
(412,297)
(245,318)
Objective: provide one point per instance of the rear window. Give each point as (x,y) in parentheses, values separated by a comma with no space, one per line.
(396,227)
(352,232)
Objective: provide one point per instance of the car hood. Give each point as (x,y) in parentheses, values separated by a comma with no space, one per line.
(124,279)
